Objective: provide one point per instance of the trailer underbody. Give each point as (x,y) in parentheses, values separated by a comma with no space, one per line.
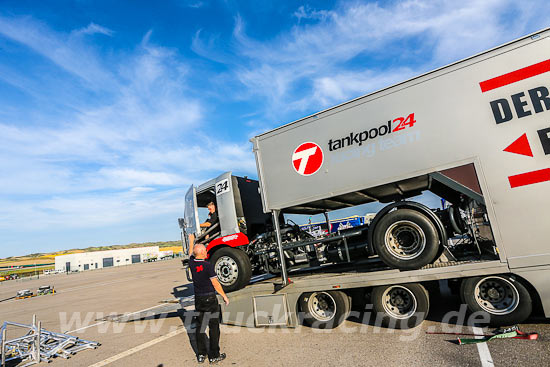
(269,303)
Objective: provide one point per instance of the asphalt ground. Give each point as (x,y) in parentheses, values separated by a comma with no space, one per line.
(84,300)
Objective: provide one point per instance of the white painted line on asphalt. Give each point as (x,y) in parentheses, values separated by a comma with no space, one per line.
(483,349)
(139,348)
(85,327)
(103,322)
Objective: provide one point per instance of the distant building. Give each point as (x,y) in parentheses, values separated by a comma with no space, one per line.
(166,254)
(105,259)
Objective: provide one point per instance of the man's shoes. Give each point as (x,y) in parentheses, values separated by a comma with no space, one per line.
(201,358)
(218,359)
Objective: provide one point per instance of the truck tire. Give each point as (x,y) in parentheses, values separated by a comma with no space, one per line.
(502,297)
(324,310)
(400,306)
(233,268)
(406,239)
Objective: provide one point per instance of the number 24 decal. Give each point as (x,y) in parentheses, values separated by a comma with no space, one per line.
(403,122)
(222,187)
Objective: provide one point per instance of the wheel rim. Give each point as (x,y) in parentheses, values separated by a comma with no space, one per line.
(227,270)
(405,240)
(496,295)
(321,306)
(399,302)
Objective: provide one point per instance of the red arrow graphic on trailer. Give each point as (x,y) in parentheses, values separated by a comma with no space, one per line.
(520,146)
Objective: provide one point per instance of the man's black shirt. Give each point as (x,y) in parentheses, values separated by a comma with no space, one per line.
(212,218)
(202,272)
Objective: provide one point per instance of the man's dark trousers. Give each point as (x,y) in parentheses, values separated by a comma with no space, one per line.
(208,315)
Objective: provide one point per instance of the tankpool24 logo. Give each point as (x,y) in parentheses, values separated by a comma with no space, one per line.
(307,158)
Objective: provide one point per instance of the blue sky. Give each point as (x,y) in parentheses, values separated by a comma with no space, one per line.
(109,110)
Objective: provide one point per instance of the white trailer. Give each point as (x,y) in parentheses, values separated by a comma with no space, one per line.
(476,130)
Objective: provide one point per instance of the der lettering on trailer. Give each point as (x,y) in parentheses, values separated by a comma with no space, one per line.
(540,102)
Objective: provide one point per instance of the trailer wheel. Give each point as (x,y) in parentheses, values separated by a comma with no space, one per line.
(325,310)
(233,268)
(503,298)
(401,306)
(406,239)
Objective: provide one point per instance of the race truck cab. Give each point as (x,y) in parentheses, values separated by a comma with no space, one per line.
(239,220)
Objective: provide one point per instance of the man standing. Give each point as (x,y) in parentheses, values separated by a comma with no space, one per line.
(206,284)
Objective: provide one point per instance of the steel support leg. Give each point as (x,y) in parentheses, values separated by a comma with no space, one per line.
(37,345)
(327,221)
(280,247)
(4,335)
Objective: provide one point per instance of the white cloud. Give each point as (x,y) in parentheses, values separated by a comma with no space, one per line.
(199,160)
(124,157)
(69,53)
(93,28)
(193,3)
(128,177)
(304,68)
(142,189)
(305,12)
(89,211)
(339,87)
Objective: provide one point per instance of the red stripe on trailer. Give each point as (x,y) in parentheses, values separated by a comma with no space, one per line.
(530,178)
(515,76)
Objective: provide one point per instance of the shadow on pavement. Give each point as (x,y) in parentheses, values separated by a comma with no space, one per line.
(184,290)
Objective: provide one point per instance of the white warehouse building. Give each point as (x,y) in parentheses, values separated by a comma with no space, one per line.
(104,259)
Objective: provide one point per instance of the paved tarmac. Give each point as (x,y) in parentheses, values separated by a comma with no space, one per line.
(83,301)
